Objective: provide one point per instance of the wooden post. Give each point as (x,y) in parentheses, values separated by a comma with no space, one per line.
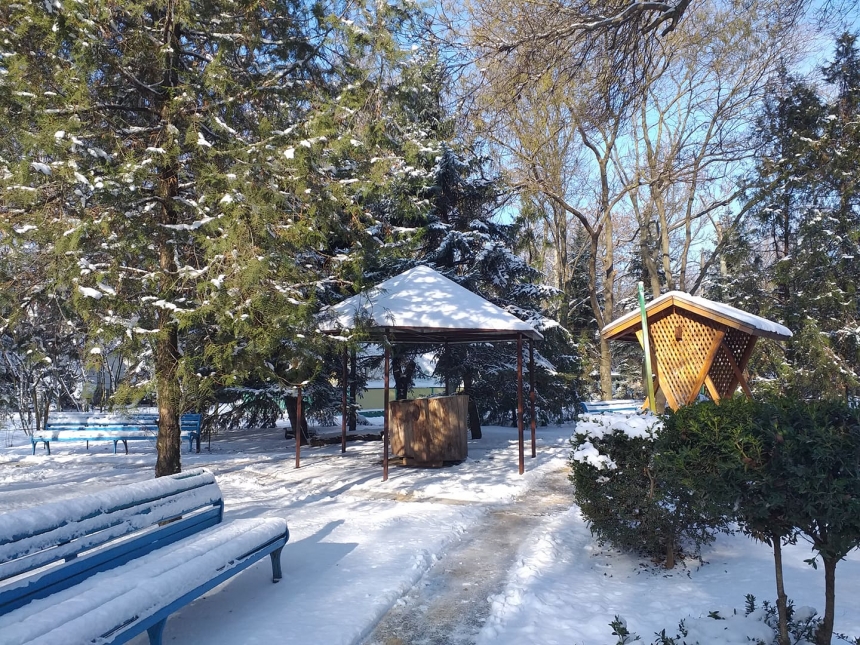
(520,428)
(532,396)
(343,408)
(298,427)
(353,389)
(385,412)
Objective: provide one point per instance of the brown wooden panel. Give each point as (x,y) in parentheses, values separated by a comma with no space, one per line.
(682,346)
(431,430)
(400,425)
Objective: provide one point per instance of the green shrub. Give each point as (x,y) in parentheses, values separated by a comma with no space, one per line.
(629,501)
(784,468)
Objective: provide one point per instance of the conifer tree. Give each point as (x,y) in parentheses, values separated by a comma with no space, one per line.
(183,166)
(808,217)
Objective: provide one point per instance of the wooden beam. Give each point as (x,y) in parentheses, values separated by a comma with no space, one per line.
(385,412)
(742,364)
(658,384)
(712,389)
(532,395)
(739,377)
(520,428)
(703,371)
(298,427)
(343,407)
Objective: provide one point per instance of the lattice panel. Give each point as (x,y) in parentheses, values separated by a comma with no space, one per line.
(682,346)
(721,371)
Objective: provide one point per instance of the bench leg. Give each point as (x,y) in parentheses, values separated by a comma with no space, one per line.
(156,632)
(276,564)
(114,446)
(48,446)
(125,443)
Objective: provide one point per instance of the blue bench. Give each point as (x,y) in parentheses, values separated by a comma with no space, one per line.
(155,545)
(114,428)
(619,405)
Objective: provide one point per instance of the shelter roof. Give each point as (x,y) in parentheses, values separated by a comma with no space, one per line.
(625,328)
(423,306)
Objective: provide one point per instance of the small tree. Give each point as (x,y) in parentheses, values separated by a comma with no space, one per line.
(781,468)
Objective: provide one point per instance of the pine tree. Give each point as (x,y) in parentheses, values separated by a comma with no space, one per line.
(807,217)
(185,165)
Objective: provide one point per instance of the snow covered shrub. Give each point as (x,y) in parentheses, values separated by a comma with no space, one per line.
(757,625)
(628,500)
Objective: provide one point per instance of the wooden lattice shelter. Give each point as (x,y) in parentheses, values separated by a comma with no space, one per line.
(696,342)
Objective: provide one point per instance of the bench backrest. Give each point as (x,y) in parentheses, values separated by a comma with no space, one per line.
(162,510)
(620,405)
(78,421)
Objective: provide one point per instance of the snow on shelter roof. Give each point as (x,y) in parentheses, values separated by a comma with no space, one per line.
(423,306)
(625,328)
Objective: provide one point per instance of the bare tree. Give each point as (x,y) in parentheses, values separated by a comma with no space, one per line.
(634,164)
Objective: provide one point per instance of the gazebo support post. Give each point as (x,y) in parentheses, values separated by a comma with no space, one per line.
(532,395)
(385,411)
(298,428)
(353,389)
(520,428)
(343,408)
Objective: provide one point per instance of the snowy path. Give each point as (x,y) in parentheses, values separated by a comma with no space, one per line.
(450,603)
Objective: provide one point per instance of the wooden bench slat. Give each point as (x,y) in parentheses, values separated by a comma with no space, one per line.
(81,568)
(99,607)
(46,519)
(140,570)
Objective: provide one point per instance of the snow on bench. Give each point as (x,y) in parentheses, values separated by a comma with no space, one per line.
(617,405)
(109,566)
(113,427)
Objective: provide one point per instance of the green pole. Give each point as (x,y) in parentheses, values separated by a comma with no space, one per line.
(646,342)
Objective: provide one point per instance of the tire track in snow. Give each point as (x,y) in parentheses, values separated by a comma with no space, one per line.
(450,603)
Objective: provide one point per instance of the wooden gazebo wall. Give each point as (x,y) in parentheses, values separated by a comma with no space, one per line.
(691,350)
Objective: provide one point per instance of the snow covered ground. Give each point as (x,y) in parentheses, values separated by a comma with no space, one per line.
(358,545)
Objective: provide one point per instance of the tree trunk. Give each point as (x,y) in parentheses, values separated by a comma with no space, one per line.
(605,370)
(781,598)
(168,443)
(825,632)
(403,368)
(292,406)
(474,420)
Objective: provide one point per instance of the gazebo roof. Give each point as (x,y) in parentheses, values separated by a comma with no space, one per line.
(625,328)
(423,306)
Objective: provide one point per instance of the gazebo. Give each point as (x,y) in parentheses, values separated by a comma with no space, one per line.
(421,306)
(696,342)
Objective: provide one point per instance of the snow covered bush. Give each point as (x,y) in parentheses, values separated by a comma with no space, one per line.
(628,500)
(757,625)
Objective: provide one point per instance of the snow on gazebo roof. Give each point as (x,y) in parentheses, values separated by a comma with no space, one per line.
(423,306)
(624,328)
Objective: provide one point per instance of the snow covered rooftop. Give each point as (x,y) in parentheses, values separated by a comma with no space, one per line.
(423,306)
(624,328)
